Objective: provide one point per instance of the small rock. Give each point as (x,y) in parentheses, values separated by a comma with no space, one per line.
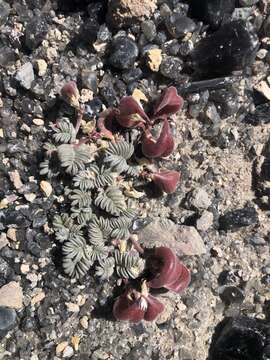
(25,75)
(15,179)
(4,12)
(35,32)
(238,218)
(123,53)
(3,240)
(84,322)
(149,30)
(205,221)
(125,12)
(171,67)
(7,319)
(68,352)
(199,199)
(190,241)
(11,295)
(38,122)
(86,95)
(12,234)
(61,347)
(46,187)
(75,341)
(41,66)
(30,197)
(89,80)
(154,59)
(179,25)
(38,298)
(231,295)
(72,307)
(25,268)
(266,26)
(139,96)
(263,88)
(257,240)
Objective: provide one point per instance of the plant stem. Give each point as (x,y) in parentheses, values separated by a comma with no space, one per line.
(133,238)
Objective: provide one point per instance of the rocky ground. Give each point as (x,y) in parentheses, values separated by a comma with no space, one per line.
(221,207)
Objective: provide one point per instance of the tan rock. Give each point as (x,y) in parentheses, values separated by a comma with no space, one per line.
(11,295)
(154,59)
(139,96)
(15,179)
(125,12)
(4,203)
(86,95)
(84,322)
(11,234)
(41,66)
(30,197)
(25,268)
(38,298)
(46,187)
(75,341)
(3,240)
(1,133)
(61,347)
(38,122)
(72,307)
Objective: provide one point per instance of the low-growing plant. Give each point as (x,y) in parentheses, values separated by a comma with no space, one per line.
(101,201)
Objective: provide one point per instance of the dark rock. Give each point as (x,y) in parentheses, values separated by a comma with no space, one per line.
(232,47)
(104,34)
(226,102)
(132,75)
(239,338)
(149,29)
(238,218)
(212,12)
(7,56)
(35,32)
(171,47)
(257,240)
(161,38)
(140,223)
(89,80)
(7,320)
(171,67)
(179,25)
(266,26)
(123,53)
(261,115)
(231,295)
(4,12)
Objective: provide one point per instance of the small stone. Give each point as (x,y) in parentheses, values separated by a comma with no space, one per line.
(232,47)
(68,352)
(266,26)
(125,12)
(149,30)
(7,319)
(25,268)
(41,67)
(263,88)
(154,59)
(46,187)
(1,133)
(72,307)
(25,75)
(4,12)
(123,53)
(205,221)
(179,25)
(89,80)
(38,298)
(84,322)
(30,197)
(171,67)
(3,240)
(199,199)
(257,240)
(4,203)
(190,241)
(86,95)
(231,295)
(11,295)
(139,96)
(35,32)
(38,122)
(238,218)
(15,179)
(61,347)
(75,341)
(12,234)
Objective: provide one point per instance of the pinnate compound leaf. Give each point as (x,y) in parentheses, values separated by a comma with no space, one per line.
(73,158)
(111,200)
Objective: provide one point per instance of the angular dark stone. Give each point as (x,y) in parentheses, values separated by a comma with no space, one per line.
(232,47)
(226,101)
(212,12)
(238,218)
(123,53)
(35,32)
(7,320)
(231,295)
(171,67)
(240,338)
(4,12)
(132,75)
(149,29)
(260,116)
(179,25)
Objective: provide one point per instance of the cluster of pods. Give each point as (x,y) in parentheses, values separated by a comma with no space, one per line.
(165,271)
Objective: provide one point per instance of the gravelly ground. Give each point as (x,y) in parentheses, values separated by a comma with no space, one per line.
(230,273)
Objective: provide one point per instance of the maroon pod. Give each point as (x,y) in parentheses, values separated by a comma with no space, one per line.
(130,113)
(166,180)
(135,306)
(168,271)
(169,103)
(161,147)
